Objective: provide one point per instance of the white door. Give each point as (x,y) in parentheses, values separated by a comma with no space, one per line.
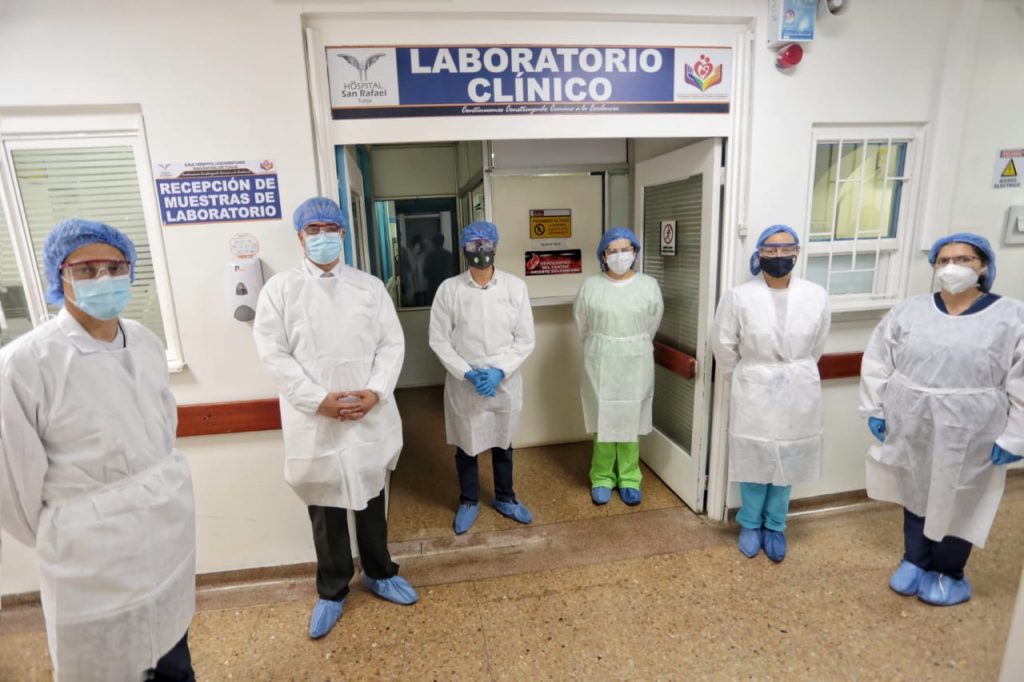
(682,187)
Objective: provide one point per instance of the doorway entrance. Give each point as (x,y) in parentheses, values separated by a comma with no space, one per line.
(595,184)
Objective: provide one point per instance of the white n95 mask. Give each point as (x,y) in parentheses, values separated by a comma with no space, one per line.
(956,279)
(621,262)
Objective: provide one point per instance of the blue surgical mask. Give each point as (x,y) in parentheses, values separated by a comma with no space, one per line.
(324,248)
(102,298)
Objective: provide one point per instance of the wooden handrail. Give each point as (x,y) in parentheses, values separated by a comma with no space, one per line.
(245,416)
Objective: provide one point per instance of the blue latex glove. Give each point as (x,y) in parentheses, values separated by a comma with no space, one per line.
(877,427)
(1000,456)
(492,377)
(478,377)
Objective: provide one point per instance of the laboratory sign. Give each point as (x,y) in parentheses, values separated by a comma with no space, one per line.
(217,192)
(388,82)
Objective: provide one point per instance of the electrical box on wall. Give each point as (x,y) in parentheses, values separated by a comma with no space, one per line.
(1015,226)
(791,21)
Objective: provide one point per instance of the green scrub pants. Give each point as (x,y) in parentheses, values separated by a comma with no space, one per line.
(615,465)
(765,505)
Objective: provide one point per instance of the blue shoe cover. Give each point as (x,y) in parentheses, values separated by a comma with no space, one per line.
(774,545)
(600,494)
(513,510)
(466,517)
(906,579)
(939,589)
(395,589)
(750,542)
(630,496)
(325,614)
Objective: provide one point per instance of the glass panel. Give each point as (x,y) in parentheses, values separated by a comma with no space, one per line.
(427,248)
(679,277)
(850,274)
(95,183)
(866,205)
(14,317)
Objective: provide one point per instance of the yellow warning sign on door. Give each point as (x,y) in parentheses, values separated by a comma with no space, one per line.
(1005,174)
(550,223)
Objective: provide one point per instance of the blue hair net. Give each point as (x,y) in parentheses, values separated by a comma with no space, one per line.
(69,235)
(318,210)
(986,280)
(612,235)
(480,230)
(755,259)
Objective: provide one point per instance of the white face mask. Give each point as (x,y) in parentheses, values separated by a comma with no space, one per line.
(956,279)
(620,263)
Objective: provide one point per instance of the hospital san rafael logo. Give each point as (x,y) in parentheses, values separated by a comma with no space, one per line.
(703,74)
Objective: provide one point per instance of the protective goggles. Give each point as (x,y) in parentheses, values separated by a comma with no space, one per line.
(91,269)
(626,249)
(314,229)
(777,250)
(479,245)
(956,260)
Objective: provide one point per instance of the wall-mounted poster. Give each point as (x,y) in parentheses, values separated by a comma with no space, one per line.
(568,262)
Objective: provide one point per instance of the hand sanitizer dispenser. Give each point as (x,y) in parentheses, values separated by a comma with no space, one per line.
(244,280)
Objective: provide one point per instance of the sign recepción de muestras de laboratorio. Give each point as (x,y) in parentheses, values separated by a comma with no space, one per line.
(217,192)
(394,81)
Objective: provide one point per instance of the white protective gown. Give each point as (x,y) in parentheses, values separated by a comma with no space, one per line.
(93,480)
(318,334)
(770,340)
(474,327)
(948,388)
(618,321)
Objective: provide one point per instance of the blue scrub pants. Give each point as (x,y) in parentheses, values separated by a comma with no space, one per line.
(764,504)
(947,557)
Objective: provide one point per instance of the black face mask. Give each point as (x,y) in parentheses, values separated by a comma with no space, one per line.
(778,267)
(480,259)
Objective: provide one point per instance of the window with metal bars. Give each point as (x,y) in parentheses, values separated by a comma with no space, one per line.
(102,176)
(861,214)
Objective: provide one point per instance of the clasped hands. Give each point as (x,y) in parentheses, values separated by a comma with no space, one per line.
(348,405)
(485,380)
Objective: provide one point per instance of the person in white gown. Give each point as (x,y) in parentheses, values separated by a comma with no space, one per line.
(481,329)
(768,336)
(91,476)
(330,337)
(942,386)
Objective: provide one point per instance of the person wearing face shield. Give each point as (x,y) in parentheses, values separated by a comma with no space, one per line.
(942,386)
(768,336)
(330,337)
(89,472)
(617,313)
(481,329)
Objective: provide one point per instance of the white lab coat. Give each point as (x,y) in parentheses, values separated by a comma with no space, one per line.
(770,341)
(617,320)
(340,333)
(474,327)
(948,388)
(93,480)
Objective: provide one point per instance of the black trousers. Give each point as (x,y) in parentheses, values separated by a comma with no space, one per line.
(334,566)
(469,475)
(948,557)
(175,665)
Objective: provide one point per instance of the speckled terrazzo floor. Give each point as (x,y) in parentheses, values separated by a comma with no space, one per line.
(656,594)
(552,481)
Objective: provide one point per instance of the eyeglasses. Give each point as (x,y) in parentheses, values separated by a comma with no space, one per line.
(958,260)
(314,230)
(91,269)
(779,250)
(480,245)
(611,252)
